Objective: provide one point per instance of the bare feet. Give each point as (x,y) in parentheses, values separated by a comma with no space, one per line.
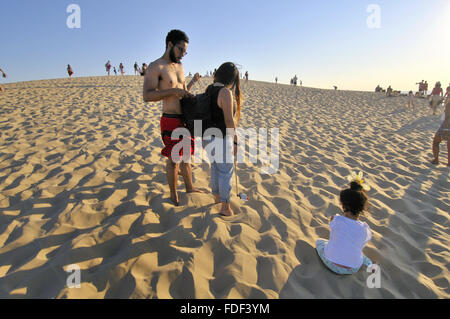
(196,190)
(217,199)
(226,210)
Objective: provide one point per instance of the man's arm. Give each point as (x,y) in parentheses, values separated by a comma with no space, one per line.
(151,92)
(193,81)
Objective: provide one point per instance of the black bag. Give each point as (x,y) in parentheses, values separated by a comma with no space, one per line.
(198,108)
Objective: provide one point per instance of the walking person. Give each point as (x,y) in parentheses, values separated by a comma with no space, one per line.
(69,70)
(122,69)
(3,76)
(108,67)
(436,97)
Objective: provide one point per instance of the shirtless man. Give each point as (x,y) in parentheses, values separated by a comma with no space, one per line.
(164,80)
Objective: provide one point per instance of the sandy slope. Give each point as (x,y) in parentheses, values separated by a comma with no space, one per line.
(82,182)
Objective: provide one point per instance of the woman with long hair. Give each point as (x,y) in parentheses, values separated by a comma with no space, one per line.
(225,112)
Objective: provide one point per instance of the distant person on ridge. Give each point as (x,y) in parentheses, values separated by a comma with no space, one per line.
(165,80)
(122,71)
(69,70)
(389,91)
(443,133)
(425,88)
(144,69)
(436,97)
(420,87)
(108,67)
(136,68)
(4,76)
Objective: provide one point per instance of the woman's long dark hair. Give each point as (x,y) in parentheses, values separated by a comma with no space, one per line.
(228,74)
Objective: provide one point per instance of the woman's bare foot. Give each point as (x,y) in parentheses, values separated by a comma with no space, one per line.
(217,199)
(196,190)
(226,210)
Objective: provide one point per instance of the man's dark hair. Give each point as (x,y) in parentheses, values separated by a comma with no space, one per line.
(176,36)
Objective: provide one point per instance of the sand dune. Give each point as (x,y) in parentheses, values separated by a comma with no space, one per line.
(82,182)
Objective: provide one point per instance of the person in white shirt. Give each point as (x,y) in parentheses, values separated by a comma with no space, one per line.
(342,254)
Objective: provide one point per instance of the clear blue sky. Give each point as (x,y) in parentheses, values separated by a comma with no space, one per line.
(325,43)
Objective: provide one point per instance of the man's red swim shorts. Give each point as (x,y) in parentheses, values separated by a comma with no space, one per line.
(169,123)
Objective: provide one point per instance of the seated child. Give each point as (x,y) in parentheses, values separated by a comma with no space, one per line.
(342,254)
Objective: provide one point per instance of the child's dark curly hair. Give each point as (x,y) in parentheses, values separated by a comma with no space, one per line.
(354,199)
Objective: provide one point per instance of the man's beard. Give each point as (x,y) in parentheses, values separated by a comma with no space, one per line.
(172,56)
